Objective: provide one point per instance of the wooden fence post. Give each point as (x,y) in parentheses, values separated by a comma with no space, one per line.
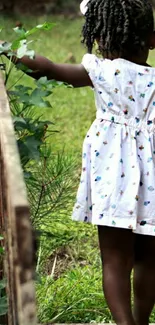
(15,224)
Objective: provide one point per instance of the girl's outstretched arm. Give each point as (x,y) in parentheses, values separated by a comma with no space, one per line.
(73,74)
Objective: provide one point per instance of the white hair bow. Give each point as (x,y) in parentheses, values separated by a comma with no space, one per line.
(83,6)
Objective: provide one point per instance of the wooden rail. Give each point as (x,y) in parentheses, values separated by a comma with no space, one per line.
(15,225)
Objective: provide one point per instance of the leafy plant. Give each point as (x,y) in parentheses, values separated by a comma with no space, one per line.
(51,179)
(49,176)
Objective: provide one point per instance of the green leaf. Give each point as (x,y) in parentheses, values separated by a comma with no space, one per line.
(45,26)
(40,93)
(15,45)
(24,68)
(3,306)
(19,120)
(22,89)
(36,98)
(33,147)
(23,150)
(48,84)
(2,284)
(2,250)
(23,50)
(1,237)
(19,123)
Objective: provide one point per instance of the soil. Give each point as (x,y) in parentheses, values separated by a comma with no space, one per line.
(60,261)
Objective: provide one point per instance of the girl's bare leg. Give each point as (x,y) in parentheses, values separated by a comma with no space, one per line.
(117,253)
(144,278)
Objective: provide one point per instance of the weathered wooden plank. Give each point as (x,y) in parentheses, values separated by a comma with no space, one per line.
(15,224)
(13,169)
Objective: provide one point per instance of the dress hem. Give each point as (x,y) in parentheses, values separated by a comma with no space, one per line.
(137,228)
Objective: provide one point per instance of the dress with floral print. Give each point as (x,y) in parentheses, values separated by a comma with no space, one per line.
(117,186)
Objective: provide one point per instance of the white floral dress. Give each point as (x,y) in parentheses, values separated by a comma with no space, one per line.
(117,186)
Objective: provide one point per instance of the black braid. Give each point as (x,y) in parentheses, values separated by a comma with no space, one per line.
(120,26)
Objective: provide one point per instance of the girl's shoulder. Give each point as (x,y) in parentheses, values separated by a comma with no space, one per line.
(96,67)
(91,61)
(100,69)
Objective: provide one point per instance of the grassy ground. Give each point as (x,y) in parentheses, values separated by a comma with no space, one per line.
(69,284)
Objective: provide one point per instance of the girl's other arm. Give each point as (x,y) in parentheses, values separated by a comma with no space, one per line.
(73,74)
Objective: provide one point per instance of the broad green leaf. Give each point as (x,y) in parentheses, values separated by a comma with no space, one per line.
(23,89)
(23,68)
(15,45)
(2,284)
(36,98)
(23,50)
(1,237)
(2,250)
(19,119)
(19,123)
(40,93)
(48,84)
(37,127)
(33,145)
(45,26)
(39,102)
(3,306)
(23,150)
(24,98)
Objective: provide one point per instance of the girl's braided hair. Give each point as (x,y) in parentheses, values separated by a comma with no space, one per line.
(121,26)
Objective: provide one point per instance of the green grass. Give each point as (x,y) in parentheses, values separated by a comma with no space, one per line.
(73,293)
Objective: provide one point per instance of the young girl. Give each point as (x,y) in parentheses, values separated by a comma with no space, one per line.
(117,187)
